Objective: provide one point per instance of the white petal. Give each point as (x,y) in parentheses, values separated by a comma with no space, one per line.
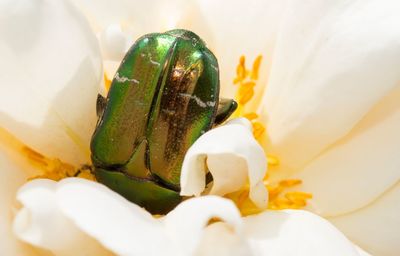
(220,239)
(232,155)
(139,17)
(295,233)
(244,28)
(376,227)
(72,214)
(114,43)
(367,160)
(186,224)
(127,229)
(88,211)
(51,73)
(110,68)
(334,60)
(362,252)
(11,178)
(41,222)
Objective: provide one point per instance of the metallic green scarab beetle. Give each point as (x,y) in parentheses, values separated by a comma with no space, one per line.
(162,98)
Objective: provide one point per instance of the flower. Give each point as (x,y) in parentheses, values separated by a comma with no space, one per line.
(329,100)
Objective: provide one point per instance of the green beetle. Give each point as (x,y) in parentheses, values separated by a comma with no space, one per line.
(163,97)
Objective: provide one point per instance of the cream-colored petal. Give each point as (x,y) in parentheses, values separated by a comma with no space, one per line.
(76,214)
(110,68)
(122,227)
(367,160)
(186,224)
(242,28)
(375,227)
(333,62)
(137,18)
(50,76)
(130,230)
(362,252)
(42,223)
(220,239)
(114,43)
(11,178)
(232,155)
(295,233)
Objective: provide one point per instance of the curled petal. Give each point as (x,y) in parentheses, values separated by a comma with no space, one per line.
(232,155)
(51,74)
(88,211)
(11,178)
(76,214)
(42,223)
(80,200)
(192,217)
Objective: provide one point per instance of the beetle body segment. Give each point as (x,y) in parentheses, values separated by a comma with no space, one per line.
(162,98)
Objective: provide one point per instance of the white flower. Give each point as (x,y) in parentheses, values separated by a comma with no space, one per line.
(331,110)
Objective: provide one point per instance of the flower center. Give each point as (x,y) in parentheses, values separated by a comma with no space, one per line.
(279,196)
(55,169)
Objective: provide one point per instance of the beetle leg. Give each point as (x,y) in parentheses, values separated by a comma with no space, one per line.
(225,108)
(83,168)
(101,103)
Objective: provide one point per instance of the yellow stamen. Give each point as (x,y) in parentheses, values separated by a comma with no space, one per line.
(281,203)
(242,197)
(274,192)
(290,183)
(272,160)
(53,168)
(248,84)
(295,195)
(241,71)
(256,68)
(278,198)
(251,116)
(107,82)
(245,95)
(250,211)
(34,156)
(258,129)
